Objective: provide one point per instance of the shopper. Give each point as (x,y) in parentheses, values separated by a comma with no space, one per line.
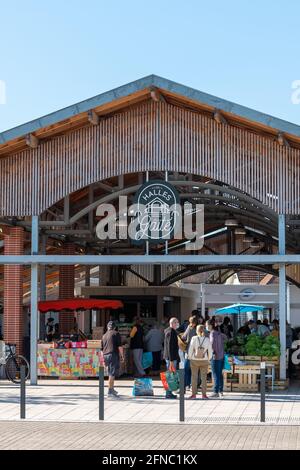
(227,328)
(187,336)
(154,343)
(171,354)
(275,328)
(200,353)
(111,343)
(217,340)
(137,346)
(262,329)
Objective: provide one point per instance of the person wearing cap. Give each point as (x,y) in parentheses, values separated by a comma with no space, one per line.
(111,344)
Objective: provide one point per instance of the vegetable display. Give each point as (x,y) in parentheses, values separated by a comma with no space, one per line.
(253,345)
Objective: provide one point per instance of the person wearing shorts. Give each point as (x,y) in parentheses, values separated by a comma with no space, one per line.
(111,343)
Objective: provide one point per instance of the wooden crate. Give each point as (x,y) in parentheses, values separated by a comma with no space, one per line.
(280,384)
(247,378)
(226,388)
(94,343)
(226,385)
(244,387)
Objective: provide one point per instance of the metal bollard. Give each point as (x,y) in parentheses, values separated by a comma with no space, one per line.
(262,392)
(101,393)
(181,394)
(23,393)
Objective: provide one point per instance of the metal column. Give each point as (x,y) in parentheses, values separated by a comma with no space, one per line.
(282,298)
(34,301)
(202,287)
(288,302)
(43,282)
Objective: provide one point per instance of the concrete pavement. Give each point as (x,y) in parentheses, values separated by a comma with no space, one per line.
(57,400)
(31,435)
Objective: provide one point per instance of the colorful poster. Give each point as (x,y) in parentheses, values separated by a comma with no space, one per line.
(69,362)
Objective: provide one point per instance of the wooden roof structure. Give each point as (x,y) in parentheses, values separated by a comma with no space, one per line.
(80,114)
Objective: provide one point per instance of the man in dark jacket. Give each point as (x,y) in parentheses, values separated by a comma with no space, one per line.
(111,343)
(171,354)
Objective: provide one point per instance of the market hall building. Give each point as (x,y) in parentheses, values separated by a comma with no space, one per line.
(55,172)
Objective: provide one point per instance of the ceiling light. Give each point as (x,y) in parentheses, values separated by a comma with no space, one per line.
(248,239)
(256,244)
(240,231)
(231,222)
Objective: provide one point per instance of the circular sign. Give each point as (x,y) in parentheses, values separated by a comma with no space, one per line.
(157,211)
(247,294)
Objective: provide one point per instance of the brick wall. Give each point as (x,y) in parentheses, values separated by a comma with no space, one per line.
(66,289)
(13,290)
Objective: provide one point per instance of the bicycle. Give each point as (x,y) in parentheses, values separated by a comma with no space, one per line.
(12,363)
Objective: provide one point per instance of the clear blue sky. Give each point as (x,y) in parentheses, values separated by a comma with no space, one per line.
(55,53)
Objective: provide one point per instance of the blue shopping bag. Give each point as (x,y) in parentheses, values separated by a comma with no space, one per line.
(147,360)
(142,387)
(226,365)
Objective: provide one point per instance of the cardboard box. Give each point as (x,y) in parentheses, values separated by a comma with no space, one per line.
(94,343)
(98,332)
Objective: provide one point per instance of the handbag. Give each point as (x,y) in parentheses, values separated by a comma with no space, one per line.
(181,343)
(200,352)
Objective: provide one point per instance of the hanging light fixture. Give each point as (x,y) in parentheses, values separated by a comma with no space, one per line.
(231,222)
(240,231)
(248,239)
(255,244)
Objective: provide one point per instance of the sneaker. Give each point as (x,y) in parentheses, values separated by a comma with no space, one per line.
(171,396)
(214,395)
(112,394)
(204,397)
(192,397)
(115,393)
(221,394)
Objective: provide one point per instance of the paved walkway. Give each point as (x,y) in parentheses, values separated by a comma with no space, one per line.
(110,436)
(71,401)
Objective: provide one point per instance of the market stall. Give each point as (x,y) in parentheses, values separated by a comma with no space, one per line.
(245,352)
(74,355)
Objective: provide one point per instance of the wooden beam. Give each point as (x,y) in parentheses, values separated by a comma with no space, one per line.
(32,141)
(282,140)
(218,117)
(93,117)
(156,95)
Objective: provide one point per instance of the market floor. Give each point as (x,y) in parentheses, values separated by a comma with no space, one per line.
(30,435)
(71,401)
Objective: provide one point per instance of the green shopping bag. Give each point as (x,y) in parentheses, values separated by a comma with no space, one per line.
(170,380)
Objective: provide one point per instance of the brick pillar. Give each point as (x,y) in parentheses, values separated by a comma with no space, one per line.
(13,290)
(66,289)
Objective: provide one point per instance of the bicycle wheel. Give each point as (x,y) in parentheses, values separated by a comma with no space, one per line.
(13,368)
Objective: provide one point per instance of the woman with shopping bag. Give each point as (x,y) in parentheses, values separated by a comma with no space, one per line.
(200,353)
